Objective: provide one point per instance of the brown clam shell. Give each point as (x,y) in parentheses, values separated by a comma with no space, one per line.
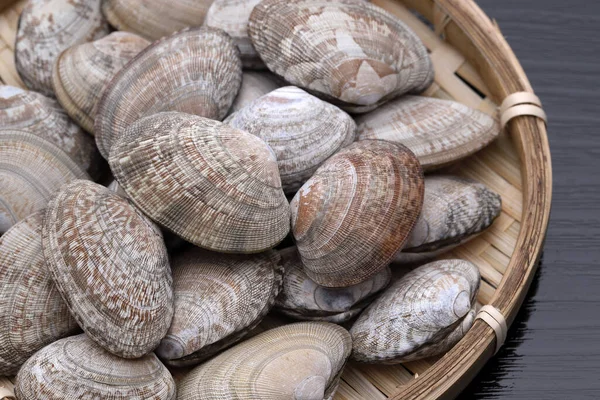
(254,85)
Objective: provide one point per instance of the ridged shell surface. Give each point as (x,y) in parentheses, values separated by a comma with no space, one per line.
(82,72)
(254,85)
(302,298)
(35,113)
(216,297)
(157,18)
(351,52)
(32,313)
(302,130)
(213,185)
(296,361)
(46,28)
(77,368)
(423,314)
(438,131)
(110,264)
(31,171)
(356,212)
(196,71)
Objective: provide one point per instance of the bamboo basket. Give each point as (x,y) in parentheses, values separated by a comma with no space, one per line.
(473,65)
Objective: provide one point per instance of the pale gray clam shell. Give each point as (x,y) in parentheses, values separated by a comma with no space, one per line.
(302,130)
(423,314)
(254,85)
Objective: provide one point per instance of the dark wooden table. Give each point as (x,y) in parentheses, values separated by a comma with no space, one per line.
(553,348)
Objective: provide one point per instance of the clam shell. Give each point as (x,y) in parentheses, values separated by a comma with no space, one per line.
(302,298)
(351,52)
(82,72)
(254,85)
(46,28)
(438,131)
(197,71)
(31,171)
(32,313)
(302,130)
(216,297)
(213,185)
(77,368)
(157,18)
(110,265)
(297,361)
(356,212)
(35,113)
(423,314)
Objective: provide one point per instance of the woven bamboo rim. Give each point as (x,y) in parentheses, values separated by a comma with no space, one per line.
(474,65)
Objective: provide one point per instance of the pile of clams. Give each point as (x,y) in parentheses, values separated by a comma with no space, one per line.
(267,158)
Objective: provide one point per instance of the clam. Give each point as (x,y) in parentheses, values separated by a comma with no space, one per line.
(31,171)
(197,71)
(302,130)
(32,313)
(356,212)
(349,52)
(213,185)
(302,298)
(232,16)
(77,368)
(157,18)
(296,361)
(454,210)
(82,72)
(254,85)
(46,28)
(110,264)
(35,113)
(438,131)
(423,314)
(218,297)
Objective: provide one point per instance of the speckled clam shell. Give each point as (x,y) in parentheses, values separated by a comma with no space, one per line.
(254,85)
(31,171)
(296,361)
(232,16)
(302,298)
(356,212)
(77,368)
(46,28)
(438,131)
(157,18)
(196,71)
(302,130)
(110,265)
(213,185)
(216,297)
(82,72)
(350,52)
(423,314)
(455,209)
(35,113)
(32,313)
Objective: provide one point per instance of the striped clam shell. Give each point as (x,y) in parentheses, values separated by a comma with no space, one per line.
(32,313)
(31,171)
(218,297)
(302,130)
(110,264)
(83,71)
(296,361)
(357,211)
(35,113)
(77,368)
(254,85)
(350,52)
(438,131)
(455,210)
(423,314)
(46,28)
(302,298)
(213,185)
(197,71)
